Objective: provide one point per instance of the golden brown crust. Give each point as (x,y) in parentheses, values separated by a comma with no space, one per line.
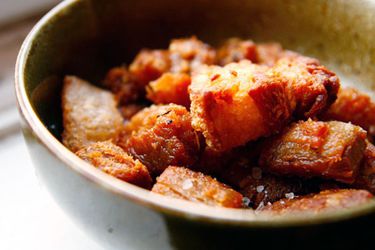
(160,136)
(170,88)
(237,103)
(112,160)
(313,88)
(149,65)
(183,183)
(89,114)
(188,54)
(331,150)
(270,53)
(355,107)
(366,178)
(235,50)
(123,85)
(328,200)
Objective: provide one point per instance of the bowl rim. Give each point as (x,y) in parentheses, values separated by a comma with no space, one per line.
(165,205)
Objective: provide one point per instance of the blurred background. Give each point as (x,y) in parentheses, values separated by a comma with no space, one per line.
(29,218)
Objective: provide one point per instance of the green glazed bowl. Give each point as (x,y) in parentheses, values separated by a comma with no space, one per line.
(87,37)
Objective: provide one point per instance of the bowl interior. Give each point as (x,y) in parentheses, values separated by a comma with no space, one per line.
(87,37)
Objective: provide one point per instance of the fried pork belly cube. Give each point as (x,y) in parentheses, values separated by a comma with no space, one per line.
(328,200)
(89,114)
(149,65)
(237,103)
(312,87)
(170,88)
(183,183)
(112,160)
(270,53)
(160,136)
(123,85)
(331,150)
(366,178)
(187,54)
(235,50)
(261,187)
(355,107)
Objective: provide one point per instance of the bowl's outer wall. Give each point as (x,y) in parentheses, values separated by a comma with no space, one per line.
(88,37)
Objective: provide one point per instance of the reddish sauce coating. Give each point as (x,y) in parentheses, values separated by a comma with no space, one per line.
(170,88)
(114,161)
(353,106)
(238,103)
(328,200)
(160,136)
(312,87)
(123,85)
(149,65)
(331,150)
(366,178)
(241,113)
(235,50)
(183,183)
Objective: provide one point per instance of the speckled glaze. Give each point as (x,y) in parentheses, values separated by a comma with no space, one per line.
(86,37)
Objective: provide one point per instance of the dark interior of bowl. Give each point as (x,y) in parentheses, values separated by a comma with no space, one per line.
(90,36)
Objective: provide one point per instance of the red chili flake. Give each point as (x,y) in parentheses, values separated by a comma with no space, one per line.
(216,76)
(234,73)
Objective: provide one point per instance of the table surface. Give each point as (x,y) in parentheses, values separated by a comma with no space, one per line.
(29,218)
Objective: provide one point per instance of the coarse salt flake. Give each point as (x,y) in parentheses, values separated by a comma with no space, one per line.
(187,184)
(260,188)
(289,196)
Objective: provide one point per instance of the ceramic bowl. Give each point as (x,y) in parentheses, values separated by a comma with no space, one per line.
(87,37)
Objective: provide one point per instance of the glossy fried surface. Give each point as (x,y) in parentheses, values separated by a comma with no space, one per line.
(112,160)
(149,65)
(187,54)
(366,178)
(353,106)
(237,103)
(183,183)
(328,200)
(89,114)
(312,87)
(172,66)
(123,85)
(160,136)
(235,50)
(182,56)
(170,88)
(330,150)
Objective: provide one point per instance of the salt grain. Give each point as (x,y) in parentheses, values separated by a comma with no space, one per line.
(187,184)
(289,196)
(260,188)
(246,201)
